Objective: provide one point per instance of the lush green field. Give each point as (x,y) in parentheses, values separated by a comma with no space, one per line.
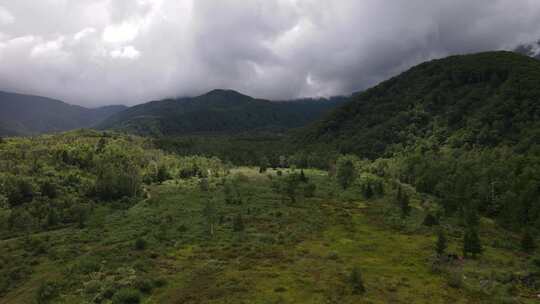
(164,250)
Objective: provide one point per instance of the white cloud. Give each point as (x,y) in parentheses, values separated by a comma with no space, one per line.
(47,48)
(84,33)
(5,16)
(123,32)
(128,52)
(109,51)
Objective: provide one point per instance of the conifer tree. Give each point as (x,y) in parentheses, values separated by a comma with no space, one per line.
(527,242)
(368,191)
(404,205)
(471,243)
(441,245)
(238,223)
(356,281)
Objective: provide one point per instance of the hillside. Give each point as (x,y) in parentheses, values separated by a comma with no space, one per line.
(486,99)
(219,111)
(27,115)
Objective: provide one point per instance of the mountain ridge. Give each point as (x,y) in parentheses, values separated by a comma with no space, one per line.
(483,99)
(217,111)
(22,114)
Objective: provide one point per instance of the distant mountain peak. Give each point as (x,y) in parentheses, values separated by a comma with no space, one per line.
(225,93)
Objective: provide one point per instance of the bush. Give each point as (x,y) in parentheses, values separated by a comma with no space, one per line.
(356,281)
(430,220)
(127,296)
(46,292)
(140,244)
(309,190)
(144,285)
(455,279)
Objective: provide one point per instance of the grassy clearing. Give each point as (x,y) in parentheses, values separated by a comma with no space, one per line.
(287,253)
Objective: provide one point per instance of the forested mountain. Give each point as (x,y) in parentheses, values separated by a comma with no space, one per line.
(27,115)
(218,111)
(480,100)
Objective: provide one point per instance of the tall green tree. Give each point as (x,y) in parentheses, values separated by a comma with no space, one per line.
(441,245)
(210,214)
(345,173)
(528,244)
(471,243)
(356,281)
(404,205)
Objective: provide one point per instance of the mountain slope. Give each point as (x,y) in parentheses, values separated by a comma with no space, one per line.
(485,99)
(26,115)
(219,111)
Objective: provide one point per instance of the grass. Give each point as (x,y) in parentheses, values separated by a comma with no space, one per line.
(301,253)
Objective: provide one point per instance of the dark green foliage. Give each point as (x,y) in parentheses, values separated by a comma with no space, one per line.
(441,245)
(471,243)
(471,218)
(116,183)
(162,174)
(127,296)
(346,173)
(100,147)
(238,223)
(528,244)
(356,281)
(49,189)
(52,218)
(430,220)
(140,244)
(210,214)
(404,203)
(18,190)
(144,285)
(80,213)
(46,293)
(203,185)
(367,191)
(302,177)
(309,190)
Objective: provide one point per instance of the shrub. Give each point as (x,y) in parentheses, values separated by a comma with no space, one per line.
(140,244)
(309,190)
(455,279)
(145,285)
(127,296)
(46,292)
(356,281)
(238,223)
(527,242)
(430,220)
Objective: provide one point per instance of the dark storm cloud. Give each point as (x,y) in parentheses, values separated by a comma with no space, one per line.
(95,52)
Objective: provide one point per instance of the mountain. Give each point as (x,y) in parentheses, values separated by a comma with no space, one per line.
(217,112)
(27,115)
(480,100)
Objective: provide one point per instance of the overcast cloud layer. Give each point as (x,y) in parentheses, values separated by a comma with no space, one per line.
(97,52)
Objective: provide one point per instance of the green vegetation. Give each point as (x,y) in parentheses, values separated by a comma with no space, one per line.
(209,233)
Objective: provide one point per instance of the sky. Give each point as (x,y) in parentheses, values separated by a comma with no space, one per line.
(99,52)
